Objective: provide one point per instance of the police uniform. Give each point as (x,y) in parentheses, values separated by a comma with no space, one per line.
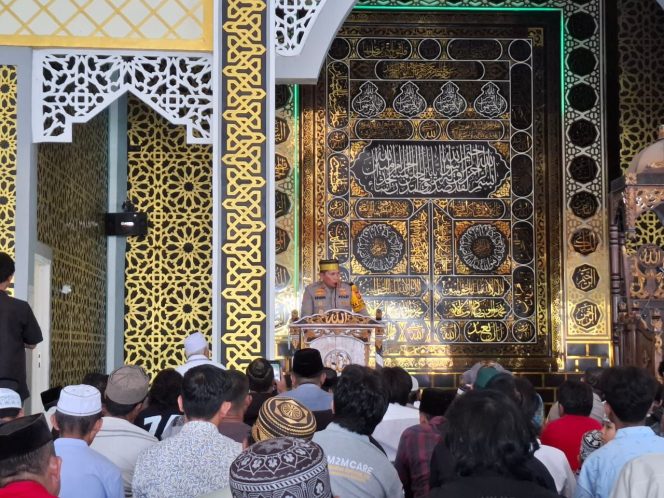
(319,298)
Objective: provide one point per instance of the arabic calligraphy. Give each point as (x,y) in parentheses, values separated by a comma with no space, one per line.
(483,247)
(584,241)
(473,308)
(585,277)
(524,291)
(368,103)
(409,102)
(523,331)
(429,70)
(477,209)
(337,140)
(481,331)
(390,286)
(337,174)
(474,286)
(281,130)
(379,247)
(337,208)
(281,167)
(384,48)
(429,169)
(475,129)
(429,129)
(450,102)
(384,208)
(282,240)
(337,236)
(378,129)
(586,314)
(490,103)
(448,332)
(337,94)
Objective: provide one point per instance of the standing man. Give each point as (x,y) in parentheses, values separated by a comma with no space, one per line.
(19,330)
(331,293)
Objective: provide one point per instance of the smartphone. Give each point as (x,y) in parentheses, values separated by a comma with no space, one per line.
(276,366)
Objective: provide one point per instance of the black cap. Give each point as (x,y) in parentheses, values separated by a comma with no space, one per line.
(435,402)
(50,397)
(23,435)
(307,362)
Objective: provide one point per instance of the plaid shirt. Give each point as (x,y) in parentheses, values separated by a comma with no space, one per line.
(413,460)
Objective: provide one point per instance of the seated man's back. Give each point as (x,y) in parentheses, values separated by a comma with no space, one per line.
(357,467)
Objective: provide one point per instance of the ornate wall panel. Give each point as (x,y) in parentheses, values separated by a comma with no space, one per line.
(583,240)
(72,194)
(168,273)
(73,87)
(8,148)
(148,24)
(244,172)
(286,206)
(430,166)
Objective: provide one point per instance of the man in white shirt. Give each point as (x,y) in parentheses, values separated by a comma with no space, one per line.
(119,439)
(197,351)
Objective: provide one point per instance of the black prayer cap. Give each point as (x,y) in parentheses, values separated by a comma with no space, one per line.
(23,435)
(435,402)
(307,362)
(50,397)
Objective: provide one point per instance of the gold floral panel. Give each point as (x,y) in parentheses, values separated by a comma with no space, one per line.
(431,170)
(168,273)
(244,170)
(72,193)
(8,147)
(131,24)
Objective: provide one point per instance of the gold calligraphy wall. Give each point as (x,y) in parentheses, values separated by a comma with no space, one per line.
(431,170)
(168,273)
(243,171)
(72,194)
(8,148)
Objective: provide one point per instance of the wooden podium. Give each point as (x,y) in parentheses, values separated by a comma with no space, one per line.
(341,336)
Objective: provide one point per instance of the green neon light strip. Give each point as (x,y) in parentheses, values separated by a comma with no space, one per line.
(296,171)
(494,9)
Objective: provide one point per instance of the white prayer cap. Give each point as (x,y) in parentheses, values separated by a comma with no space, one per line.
(415,385)
(79,401)
(9,399)
(194,343)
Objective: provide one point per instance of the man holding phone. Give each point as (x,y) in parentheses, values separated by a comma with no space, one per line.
(331,293)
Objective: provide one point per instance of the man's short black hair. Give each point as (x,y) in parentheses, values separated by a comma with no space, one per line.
(239,389)
(592,377)
(204,389)
(98,380)
(77,426)
(118,409)
(629,391)
(165,389)
(398,384)
(576,397)
(360,399)
(7,267)
(261,375)
(34,462)
(488,432)
(9,412)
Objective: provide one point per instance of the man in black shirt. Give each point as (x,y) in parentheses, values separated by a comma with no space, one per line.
(19,330)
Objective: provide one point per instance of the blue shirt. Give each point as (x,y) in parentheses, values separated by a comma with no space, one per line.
(602,468)
(86,473)
(311,396)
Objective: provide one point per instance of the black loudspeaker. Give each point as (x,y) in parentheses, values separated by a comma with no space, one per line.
(126,224)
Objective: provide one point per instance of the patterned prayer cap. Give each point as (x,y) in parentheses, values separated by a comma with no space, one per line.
(283,467)
(591,441)
(280,417)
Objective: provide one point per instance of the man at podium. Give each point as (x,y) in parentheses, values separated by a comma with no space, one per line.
(331,293)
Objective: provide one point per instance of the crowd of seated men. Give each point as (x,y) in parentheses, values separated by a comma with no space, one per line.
(212,432)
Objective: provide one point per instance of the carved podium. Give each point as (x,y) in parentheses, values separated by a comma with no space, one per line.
(342,337)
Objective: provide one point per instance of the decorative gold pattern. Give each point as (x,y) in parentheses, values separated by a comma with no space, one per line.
(72,192)
(8,146)
(132,24)
(168,273)
(244,196)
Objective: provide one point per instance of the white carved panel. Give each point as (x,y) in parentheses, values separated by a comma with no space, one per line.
(293,21)
(73,86)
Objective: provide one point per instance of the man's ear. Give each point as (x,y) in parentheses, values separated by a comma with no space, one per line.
(322,378)
(180,404)
(223,409)
(332,406)
(53,475)
(54,422)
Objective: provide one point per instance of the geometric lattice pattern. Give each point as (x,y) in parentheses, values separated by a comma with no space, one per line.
(73,87)
(168,273)
(72,192)
(243,224)
(164,24)
(294,20)
(8,139)
(584,194)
